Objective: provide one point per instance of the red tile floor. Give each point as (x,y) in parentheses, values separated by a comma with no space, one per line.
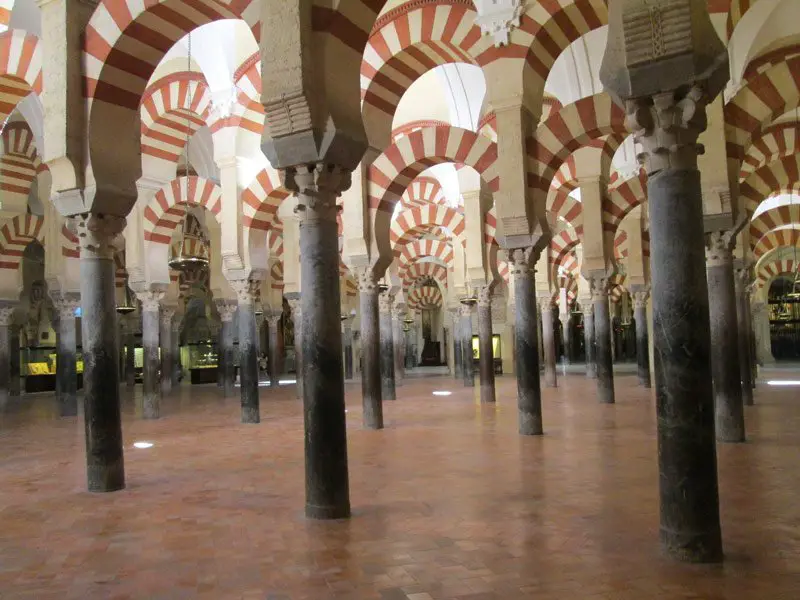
(449,502)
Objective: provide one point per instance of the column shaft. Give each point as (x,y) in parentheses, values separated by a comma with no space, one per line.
(549,341)
(743,339)
(5,355)
(248,352)
(485,344)
(388,391)
(398,340)
(347,341)
(130,357)
(725,368)
(228,352)
(66,371)
(165,342)
(151,386)
(642,343)
(458,358)
(467,356)
(566,334)
(14,362)
(602,335)
(274,353)
(589,341)
(176,355)
(370,353)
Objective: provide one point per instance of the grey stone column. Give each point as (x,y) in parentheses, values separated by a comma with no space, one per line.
(372,398)
(566,335)
(297,318)
(66,349)
(751,335)
(248,349)
(742,280)
(130,354)
(275,362)
(602,336)
(398,314)
(327,479)
(165,342)
(458,359)
(385,301)
(548,341)
(176,351)
(762,332)
(227,351)
(526,340)
(105,466)
(642,338)
(151,384)
(6,319)
(485,343)
(725,368)
(15,386)
(589,338)
(468,362)
(347,342)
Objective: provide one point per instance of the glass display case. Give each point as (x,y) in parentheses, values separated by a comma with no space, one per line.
(200,360)
(38,366)
(497,353)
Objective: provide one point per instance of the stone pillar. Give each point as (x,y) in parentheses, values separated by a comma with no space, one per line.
(566,335)
(589,338)
(642,338)
(6,319)
(372,399)
(105,466)
(248,349)
(398,314)
(165,341)
(66,348)
(725,368)
(275,366)
(347,342)
(15,386)
(485,343)
(226,353)
(130,354)
(467,357)
(297,318)
(385,301)
(151,386)
(764,355)
(602,335)
(176,352)
(458,359)
(548,341)
(327,481)
(526,339)
(751,336)
(742,280)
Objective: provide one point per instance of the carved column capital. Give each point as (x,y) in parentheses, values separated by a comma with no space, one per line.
(6,313)
(719,247)
(96,233)
(398,313)
(522,261)
(367,281)
(167,313)
(295,305)
(640,298)
(273,318)
(484,294)
(317,187)
(65,304)
(226,310)
(246,290)
(150,299)
(385,301)
(545,303)
(599,287)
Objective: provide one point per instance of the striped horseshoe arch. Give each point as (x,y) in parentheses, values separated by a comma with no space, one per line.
(776,142)
(19,164)
(423,190)
(773,240)
(410,222)
(15,235)
(20,69)
(779,175)
(425,297)
(167,208)
(777,268)
(778,216)
(262,198)
(422,270)
(424,248)
(622,198)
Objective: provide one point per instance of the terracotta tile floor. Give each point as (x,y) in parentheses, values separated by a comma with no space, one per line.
(449,502)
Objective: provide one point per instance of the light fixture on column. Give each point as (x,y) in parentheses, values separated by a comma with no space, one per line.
(190,252)
(127,306)
(469,298)
(383,287)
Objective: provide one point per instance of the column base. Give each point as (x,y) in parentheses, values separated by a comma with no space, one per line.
(487,394)
(104,479)
(327,513)
(530,424)
(150,410)
(69,408)
(691,547)
(250,415)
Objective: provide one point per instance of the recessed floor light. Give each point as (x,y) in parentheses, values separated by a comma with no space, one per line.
(142,444)
(287,381)
(783,382)
(442,393)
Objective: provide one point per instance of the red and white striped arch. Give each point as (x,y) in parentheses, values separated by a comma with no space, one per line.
(172,110)
(778,216)
(423,190)
(167,208)
(621,245)
(773,240)
(775,142)
(565,131)
(420,270)
(777,268)
(623,197)
(262,198)
(779,175)
(426,297)
(20,69)
(412,252)
(248,111)
(407,157)
(409,223)
(19,164)
(15,235)
(560,246)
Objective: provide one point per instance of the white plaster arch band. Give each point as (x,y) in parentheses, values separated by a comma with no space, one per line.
(166,210)
(423,249)
(423,190)
(15,234)
(20,69)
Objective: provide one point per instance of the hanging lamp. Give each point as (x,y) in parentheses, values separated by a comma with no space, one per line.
(184,261)
(127,306)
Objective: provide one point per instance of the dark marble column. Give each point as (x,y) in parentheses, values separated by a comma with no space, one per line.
(725,368)
(385,302)
(751,335)
(15,385)
(370,351)
(248,349)
(486,359)
(642,338)
(105,466)
(398,314)
(6,319)
(548,340)
(602,336)
(742,280)
(526,340)
(151,384)
(275,363)
(467,356)
(130,354)
(347,342)
(227,350)
(165,341)
(176,351)
(458,359)
(66,370)
(297,318)
(589,339)
(327,480)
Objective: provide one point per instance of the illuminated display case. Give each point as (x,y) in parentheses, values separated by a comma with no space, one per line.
(38,366)
(201,361)
(497,353)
